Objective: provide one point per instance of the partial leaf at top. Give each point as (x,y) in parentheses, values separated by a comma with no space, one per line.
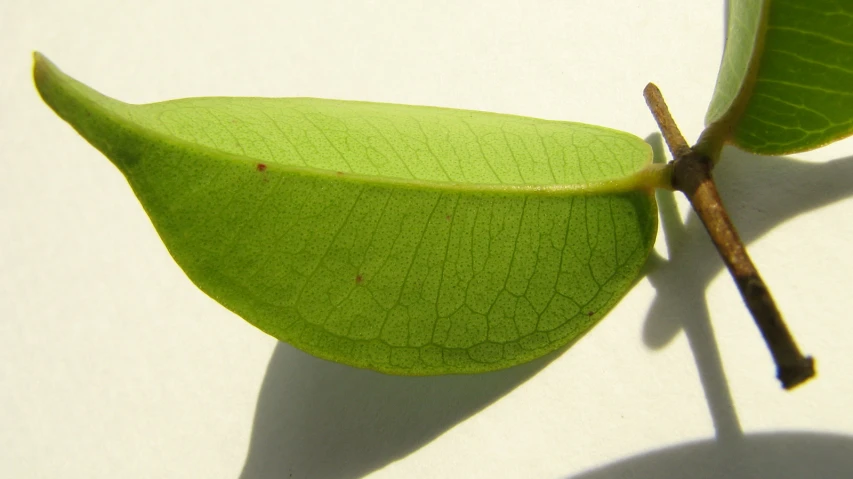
(786,77)
(409,240)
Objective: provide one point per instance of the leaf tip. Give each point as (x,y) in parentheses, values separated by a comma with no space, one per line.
(38,57)
(39,64)
(43,71)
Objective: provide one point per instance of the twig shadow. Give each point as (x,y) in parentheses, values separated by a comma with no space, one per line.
(760,193)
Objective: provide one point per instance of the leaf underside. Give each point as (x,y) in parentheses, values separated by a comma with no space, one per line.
(408,240)
(786,79)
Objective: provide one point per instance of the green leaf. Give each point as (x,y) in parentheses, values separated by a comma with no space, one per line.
(409,240)
(786,78)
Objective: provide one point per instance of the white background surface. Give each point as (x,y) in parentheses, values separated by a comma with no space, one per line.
(113,365)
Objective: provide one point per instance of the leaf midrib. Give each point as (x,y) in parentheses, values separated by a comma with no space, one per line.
(644,179)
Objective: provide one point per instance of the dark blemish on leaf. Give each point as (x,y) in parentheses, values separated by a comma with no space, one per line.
(448,217)
(125,159)
(339,173)
(359,279)
(590,313)
(262,167)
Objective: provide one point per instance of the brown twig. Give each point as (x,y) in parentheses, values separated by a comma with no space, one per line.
(692,176)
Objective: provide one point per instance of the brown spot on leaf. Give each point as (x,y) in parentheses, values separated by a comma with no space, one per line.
(448,217)
(359,279)
(590,313)
(261,167)
(339,173)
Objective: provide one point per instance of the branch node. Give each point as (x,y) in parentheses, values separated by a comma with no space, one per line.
(692,176)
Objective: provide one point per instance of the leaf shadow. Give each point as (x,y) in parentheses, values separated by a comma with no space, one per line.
(789,455)
(317,419)
(760,193)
